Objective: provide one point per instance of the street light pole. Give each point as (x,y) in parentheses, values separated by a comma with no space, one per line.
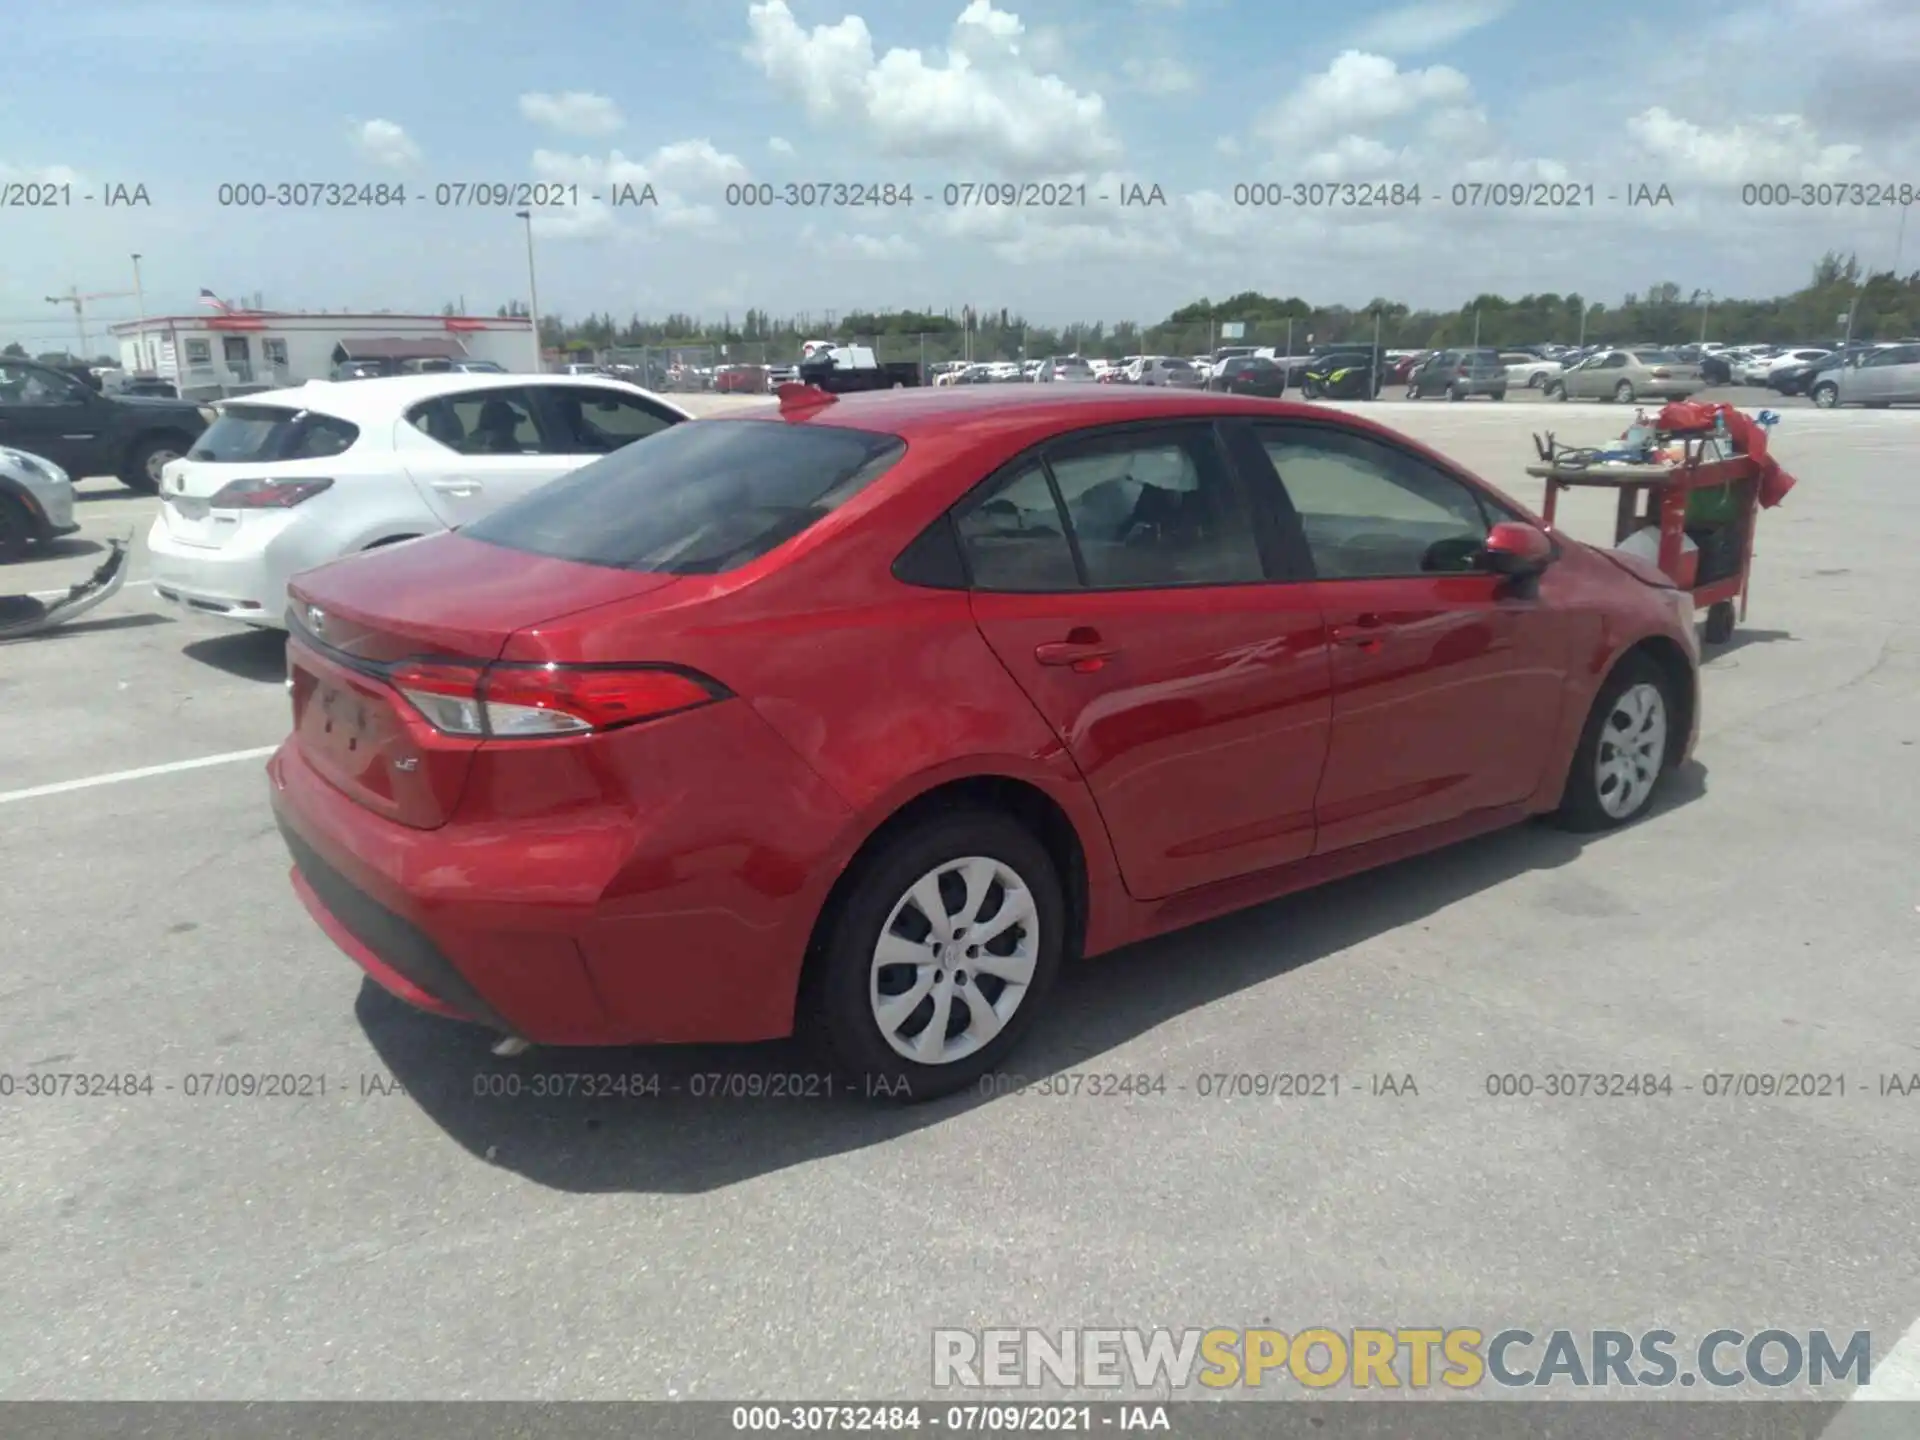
(1705,311)
(140,304)
(533,294)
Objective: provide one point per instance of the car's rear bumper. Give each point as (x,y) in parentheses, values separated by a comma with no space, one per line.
(594,924)
(240,582)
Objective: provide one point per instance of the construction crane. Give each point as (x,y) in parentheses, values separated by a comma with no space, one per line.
(79,303)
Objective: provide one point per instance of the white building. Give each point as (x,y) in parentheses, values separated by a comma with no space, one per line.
(224,353)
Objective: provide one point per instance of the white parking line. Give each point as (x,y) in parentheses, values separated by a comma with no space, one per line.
(35,792)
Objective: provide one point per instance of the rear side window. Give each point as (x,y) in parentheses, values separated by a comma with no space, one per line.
(254,434)
(597,419)
(695,499)
(499,420)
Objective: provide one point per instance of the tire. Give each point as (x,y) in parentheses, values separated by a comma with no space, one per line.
(16,529)
(1413,392)
(1604,799)
(1623,393)
(1826,395)
(1497,395)
(847,980)
(1455,393)
(1309,390)
(1556,391)
(1720,620)
(141,473)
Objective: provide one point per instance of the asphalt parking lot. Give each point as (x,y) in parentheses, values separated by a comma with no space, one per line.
(403,1236)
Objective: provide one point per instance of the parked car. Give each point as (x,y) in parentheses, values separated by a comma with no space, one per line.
(1459,375)
(1070,369)
(1715,369)
(1626,376)
(1166,370)
(1248,375)
(1798,378)
(741,380)
(151,385)
(1786,359)
(48,413)
(1886,375)
(36,502)
(290,479)
(1211,650)
(1532,371)
(1403,366)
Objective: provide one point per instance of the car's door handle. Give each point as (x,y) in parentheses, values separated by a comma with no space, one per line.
(1366,631)
(457,487)
(1083,650)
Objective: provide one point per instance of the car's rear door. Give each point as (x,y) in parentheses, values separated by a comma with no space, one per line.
(53,416)
(1133,587)
(1447,681)
(472,451)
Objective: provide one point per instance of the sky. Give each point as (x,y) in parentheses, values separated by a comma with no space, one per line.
(1205,106)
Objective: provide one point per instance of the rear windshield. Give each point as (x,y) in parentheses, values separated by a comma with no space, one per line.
(695,499)
(1657,357)
(251,434)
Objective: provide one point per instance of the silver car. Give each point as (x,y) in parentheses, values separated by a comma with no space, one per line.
(36,502)
(1889,375)
(1626,376)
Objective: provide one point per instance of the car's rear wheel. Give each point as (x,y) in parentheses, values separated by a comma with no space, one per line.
(1498,394)
(1455,392)
(1413,392)
(147,459)
(1537,380)
(1623,392)
(939,958)
(1623,750)
(1556,391)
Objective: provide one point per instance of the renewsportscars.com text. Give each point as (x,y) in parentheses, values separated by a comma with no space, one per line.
(1383,1358)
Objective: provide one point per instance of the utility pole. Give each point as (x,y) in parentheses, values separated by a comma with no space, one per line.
(1705,311)
(140,308)
(1476,327)
(1581,343)
(533,294)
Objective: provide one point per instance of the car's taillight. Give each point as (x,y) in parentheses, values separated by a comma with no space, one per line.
(515,701)
(266,494)
(1663,374)
(1466,369)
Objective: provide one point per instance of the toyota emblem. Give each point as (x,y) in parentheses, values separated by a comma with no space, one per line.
(317,621)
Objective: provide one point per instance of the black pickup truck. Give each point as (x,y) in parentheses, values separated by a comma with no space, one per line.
(845,369)
(47,412)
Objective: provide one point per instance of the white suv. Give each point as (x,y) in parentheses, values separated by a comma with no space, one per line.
(286,480)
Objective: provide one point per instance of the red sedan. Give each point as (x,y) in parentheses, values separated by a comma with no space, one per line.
(862,717)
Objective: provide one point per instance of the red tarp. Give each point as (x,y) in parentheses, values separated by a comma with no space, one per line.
(1691,417)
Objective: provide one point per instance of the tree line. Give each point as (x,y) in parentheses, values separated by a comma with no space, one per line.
(1879,305)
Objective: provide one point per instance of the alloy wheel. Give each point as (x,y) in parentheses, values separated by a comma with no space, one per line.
(954,960)
(1633,747)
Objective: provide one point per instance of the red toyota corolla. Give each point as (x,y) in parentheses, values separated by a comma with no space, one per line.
(860,717)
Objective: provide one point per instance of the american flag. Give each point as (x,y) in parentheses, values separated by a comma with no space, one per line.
(207,297)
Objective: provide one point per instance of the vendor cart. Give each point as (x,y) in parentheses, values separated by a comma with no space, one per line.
(1706,495)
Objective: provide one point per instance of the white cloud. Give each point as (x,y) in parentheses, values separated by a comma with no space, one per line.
(779,146)
(384,142)
(1774,147)
(1161,75)
(573,112)
(672,170)
(1358,90)
(859,246)
(1228,145)
(1428,25)
(40,174)
(979,103)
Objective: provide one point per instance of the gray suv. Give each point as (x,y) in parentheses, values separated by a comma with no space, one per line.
(1458,374)
(1889,375)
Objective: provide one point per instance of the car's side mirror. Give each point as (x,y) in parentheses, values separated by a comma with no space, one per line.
(1515,548)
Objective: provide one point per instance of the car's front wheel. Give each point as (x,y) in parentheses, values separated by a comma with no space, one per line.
(1826,395)
(1556,391)
(1624,749)
(16,529)
(1623,392)
(939,958)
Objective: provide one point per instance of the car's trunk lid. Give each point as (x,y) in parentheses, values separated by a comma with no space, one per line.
(445,599)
